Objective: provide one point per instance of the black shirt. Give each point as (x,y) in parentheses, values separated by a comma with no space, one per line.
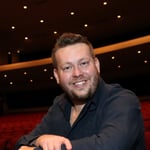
(111,120)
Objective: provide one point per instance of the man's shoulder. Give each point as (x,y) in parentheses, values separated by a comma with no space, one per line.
(115,90)
(59,98)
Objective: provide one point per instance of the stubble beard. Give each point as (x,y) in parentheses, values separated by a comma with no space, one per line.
(82,97)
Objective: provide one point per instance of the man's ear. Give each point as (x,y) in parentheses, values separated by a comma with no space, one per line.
(55,72)
(97,63)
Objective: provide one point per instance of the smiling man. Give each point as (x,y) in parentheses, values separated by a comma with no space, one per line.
(90,114)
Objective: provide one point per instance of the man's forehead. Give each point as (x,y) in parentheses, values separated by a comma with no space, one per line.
(79,47)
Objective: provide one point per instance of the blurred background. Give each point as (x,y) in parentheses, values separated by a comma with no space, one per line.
(118,30)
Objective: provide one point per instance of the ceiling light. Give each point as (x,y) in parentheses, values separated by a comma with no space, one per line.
(25,7)
(139,52)
(5,75)
(18,51)
(113,57)
(11,83)
(26,38)
(25,73)
(119,66)
(51,78)
(13,27)
(31,80)
(145,61)
(119,16)
(85,25)
(104,3)
(9,53)
(72,13)
(45,70)
(41,20)
(55,32)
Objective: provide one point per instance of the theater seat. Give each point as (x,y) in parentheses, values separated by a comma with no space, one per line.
(147,140)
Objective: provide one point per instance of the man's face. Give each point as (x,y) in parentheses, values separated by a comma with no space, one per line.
(77,72)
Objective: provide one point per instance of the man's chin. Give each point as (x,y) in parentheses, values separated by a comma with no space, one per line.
(80,95)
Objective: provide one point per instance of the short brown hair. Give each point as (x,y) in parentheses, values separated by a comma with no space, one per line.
(67,39)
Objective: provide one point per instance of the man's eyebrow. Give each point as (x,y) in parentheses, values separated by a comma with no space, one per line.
(87,58)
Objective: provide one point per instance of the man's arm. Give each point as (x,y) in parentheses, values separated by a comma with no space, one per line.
(49,142)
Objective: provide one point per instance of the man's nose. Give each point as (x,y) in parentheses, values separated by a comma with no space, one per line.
(77,71)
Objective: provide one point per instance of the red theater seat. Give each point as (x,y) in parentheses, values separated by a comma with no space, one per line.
(12,127)
(147,140)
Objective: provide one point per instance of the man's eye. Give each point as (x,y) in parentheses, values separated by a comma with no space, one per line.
(85,63)
(67,68)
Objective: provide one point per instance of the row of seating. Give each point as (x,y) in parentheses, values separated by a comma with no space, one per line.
(145,105)
(14,126)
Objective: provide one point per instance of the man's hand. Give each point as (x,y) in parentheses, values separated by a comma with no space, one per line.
(26,148)
(53,142)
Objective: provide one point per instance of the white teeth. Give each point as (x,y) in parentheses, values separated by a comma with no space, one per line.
(80,83)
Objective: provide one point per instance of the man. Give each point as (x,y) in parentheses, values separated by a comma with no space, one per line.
(90,115)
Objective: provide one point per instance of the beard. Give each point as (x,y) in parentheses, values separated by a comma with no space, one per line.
(81,95)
